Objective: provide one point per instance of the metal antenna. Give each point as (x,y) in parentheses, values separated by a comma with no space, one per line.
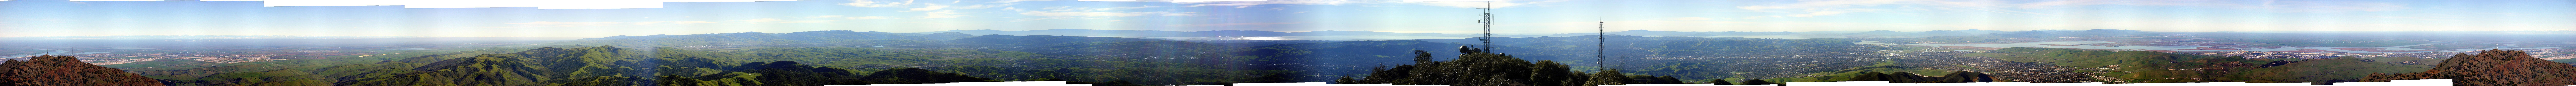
(1602,37)
(1489,27)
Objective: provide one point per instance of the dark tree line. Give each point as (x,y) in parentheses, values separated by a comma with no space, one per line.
(1476,68)
(1903,77)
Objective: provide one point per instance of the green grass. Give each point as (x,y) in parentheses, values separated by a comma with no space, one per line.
(1881,67)
(2154,67)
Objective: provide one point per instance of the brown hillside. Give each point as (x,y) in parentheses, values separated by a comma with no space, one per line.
(49,70)
(2493,68)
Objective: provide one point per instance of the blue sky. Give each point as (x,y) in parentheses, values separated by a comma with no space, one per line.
(514,18)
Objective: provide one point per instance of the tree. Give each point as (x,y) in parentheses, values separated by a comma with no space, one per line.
(1760,82)
(1607,77)
(1719,82)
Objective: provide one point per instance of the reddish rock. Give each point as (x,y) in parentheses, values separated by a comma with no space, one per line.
(49,70)
(2493,68)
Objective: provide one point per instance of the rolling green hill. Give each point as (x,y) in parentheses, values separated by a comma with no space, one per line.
(2156,67)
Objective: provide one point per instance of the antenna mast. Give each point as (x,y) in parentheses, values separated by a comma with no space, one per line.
(1602,37)
(1489,27)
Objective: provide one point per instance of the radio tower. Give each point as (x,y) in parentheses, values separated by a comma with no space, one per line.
(1489,27)
(1602,37)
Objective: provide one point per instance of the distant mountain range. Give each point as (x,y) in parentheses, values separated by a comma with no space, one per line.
(1680,33)
(1213,33)
(802,36)
(827,36)
(1225,33)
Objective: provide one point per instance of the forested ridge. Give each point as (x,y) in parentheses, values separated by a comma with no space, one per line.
(612,65)
(1476,68)
(608,65)
(2157,67)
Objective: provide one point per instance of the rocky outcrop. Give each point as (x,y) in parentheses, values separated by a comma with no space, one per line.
(2493,68)
(50,70)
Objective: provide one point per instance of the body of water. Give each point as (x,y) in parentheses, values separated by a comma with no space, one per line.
(416,48)
(1782,36)
(56,52)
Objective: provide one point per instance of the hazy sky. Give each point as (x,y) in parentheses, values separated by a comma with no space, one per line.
(513,18)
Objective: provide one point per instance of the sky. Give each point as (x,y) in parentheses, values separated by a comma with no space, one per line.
(601,18)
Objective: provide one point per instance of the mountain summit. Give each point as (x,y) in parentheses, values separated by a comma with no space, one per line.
(50,70)
(2493,68)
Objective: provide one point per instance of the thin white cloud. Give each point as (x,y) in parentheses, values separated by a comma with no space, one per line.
(928,7)
(776,20)
(849,17)
(581,24)
(986,6)
(1094,15)
(1102,14)
(1812,8)
(1243,4)
(540,4)
(867,17)
(1234,24)
(826,16)
(1070,12)
(942,14)
(1053,18)
(1010,1)
(762,20)
(1485,4)
(874,3)
(1691,18)
(1821,12)
(2275,5)
(1177,14)
(1125,8)
(1071,8)
(1811,4)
